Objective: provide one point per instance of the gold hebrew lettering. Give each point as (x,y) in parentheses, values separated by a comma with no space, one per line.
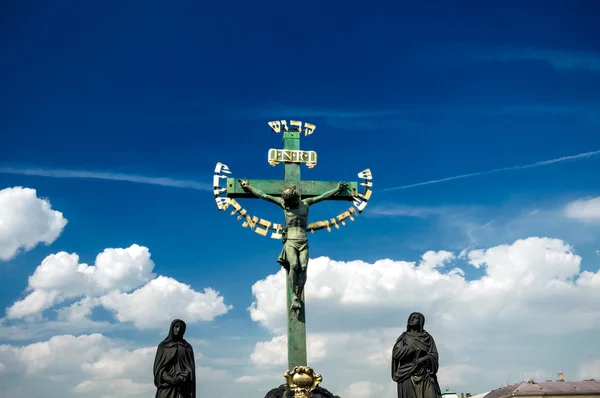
(312,159)
(318,225)
(263,231)
(272,157)
(284,123)
(219,191)
(235,205)
(352,212)
(366,195)
(275,126)
(222,203)
(342,217)
(216,178)
(309,129)
(359,204)
(277,234)
(321,225)
(221,167)
(250,222)
(296,123)
(366,174)
(240,211)
(263,226)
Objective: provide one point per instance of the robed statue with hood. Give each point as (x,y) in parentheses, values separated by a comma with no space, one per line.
(174,365)
(415,361)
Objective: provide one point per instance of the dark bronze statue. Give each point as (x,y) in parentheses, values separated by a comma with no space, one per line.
(174,365)
(294,255)
(415,361)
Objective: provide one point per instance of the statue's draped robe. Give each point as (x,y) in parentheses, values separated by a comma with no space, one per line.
(415,381)
(174,356)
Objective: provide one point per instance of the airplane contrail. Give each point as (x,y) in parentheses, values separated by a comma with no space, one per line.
(61,173)
(480,173)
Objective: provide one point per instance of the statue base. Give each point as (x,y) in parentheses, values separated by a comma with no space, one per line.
(284,391)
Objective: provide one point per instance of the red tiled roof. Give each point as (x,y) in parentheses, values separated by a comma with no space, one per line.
(547,388)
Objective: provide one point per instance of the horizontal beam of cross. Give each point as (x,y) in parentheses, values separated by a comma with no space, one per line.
(306,189)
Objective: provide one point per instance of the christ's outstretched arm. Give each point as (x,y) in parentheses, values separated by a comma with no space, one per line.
(311,201)
(260,194)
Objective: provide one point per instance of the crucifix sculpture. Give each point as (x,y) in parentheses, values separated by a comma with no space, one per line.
(294,255)
(294,196)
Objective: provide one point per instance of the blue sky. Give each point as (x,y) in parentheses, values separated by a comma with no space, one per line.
(415,93)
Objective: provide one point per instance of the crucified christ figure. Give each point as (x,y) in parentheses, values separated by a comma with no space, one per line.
(294,255)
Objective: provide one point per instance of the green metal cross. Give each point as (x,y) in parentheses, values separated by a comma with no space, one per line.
(296,326)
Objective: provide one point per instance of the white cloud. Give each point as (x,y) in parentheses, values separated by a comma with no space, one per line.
(527,261)
(274,352)
(84,366)
(110,283)
(163,299)
(492,322)
(79,311)
(207,374)
(61,354)
(60,277)
(590,370)
(519,299)
(26,221)
(586,210)
(266,378)
(457,375)
(363,389)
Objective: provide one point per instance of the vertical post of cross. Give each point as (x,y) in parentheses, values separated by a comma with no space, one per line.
(296,326)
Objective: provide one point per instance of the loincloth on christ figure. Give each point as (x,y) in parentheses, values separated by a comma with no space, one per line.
(292,247)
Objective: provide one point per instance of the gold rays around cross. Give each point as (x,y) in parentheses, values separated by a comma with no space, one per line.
(262,226)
